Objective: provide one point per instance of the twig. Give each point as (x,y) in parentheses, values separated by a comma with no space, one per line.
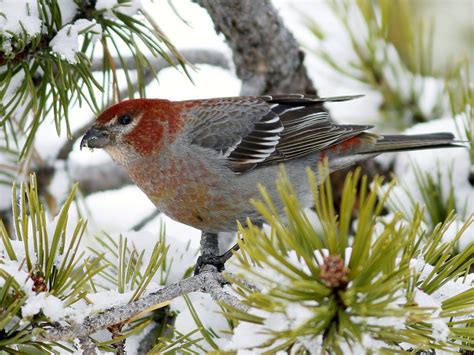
(208,282)
(88,347)
(193,56)
(209,244)
(116,331)
(213,282)
(251,286)
(97,178)
(146,220)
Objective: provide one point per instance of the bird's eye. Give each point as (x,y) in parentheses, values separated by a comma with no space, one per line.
(125,119)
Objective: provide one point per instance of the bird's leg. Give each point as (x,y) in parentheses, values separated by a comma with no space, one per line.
(209,253)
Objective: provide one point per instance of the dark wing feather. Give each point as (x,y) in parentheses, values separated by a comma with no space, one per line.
(243,129)
(309,129)
(256,131)
(260,143)
(307,126)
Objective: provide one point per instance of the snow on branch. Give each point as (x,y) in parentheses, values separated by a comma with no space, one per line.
(209,281)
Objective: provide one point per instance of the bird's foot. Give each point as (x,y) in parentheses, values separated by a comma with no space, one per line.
(217,261)
(210,250)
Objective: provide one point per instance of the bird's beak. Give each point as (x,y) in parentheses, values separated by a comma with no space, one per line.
(95,138)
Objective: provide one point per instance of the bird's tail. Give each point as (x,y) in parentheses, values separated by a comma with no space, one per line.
(396,143)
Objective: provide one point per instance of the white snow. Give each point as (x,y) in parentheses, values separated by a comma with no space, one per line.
(68,10)
(51,306)
(253,338)
(298,314)
(388,321)
(23,16)
(446,291)
(451,165)
(370,344)
(440,329)
(277,322)
(5,191)
(209,313)
(128,8)
(61,182)
(6,139)
(133,342)
(247,336)
(181,255)
(66,41)
(421,267)
(425,300)
(453,288)
(15,269)
(19,16)
(431,92)
(106,299)
(430,160)
(467,237)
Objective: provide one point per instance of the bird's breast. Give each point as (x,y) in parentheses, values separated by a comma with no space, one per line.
(188,190)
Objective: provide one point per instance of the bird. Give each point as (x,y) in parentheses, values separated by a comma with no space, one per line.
(201,161)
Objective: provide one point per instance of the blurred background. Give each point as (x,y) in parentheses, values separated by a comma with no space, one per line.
(411,59)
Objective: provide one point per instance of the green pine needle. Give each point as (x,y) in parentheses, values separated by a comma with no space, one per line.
(351,280)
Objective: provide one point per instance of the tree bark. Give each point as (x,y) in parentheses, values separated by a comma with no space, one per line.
(267,57)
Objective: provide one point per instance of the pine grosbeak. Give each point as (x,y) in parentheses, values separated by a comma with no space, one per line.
(200,161)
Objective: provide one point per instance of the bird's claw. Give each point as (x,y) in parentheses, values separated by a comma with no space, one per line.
(218,261)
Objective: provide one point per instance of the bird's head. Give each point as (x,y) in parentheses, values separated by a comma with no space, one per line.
(133,128)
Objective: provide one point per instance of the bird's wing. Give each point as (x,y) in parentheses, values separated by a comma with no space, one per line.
(243,129)
(307,127)
(255,131)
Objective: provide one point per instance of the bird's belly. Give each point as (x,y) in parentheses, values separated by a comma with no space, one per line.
(193,196)
(201,208)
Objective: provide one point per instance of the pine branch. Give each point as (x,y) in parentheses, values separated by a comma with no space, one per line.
(209,281)
(28,51)
(331,289)
(28,58)
(85,11)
